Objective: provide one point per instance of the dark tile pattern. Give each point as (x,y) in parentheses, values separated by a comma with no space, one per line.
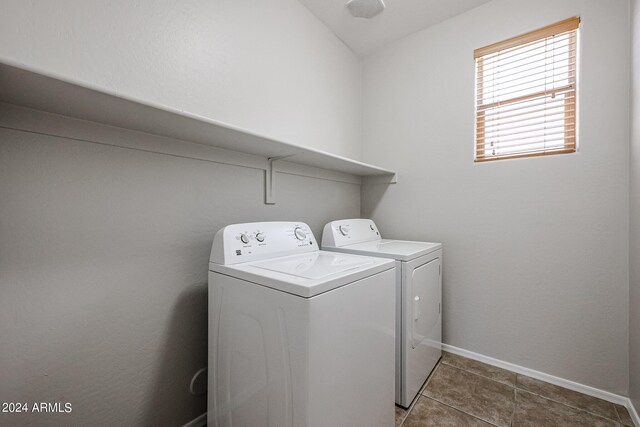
(464,392)
(623,414)
(488,400)
(430,413)
(401,414)
(479,368)
(568,397)
(536,411)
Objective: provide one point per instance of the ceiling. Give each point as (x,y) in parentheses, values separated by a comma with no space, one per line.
(399,19)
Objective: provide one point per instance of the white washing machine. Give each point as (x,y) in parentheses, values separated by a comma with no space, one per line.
(418,297)
(298,336)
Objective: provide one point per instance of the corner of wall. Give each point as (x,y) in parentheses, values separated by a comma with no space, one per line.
(634,209)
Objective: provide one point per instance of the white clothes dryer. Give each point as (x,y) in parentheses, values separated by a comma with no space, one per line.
(418,297)
(298,336)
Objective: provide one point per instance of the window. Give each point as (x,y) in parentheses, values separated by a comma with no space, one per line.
(526,94)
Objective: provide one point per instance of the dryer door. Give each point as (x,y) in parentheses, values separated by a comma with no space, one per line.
(425,303)
(422,324)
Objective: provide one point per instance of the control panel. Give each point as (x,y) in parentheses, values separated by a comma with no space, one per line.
(349,231)
(254,241)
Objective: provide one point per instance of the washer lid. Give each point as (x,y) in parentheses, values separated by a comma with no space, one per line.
(401,250)
(307,274)
(314,265)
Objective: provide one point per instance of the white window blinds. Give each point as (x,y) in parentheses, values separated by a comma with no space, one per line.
(526,94)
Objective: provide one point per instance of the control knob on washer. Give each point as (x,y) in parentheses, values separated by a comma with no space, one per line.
(244,238)
(343,230)
(299,233)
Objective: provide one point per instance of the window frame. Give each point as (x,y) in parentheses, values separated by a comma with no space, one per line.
(569,91)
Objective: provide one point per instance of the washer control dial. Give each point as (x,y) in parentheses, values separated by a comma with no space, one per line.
(244,238)
(343,230)
(260,237)
(299,233)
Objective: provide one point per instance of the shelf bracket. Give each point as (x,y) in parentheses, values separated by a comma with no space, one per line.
(268,179)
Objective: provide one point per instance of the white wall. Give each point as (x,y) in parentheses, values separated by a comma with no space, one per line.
(634,199)
(104,250)
(103,269)
(536,250)
(269,66)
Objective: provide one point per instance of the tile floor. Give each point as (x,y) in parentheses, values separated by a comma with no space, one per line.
(464,392)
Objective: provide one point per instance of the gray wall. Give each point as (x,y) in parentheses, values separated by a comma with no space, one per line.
(103,271)
(634,243)
(536,250)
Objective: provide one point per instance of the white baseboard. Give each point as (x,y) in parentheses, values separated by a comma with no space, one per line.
(200,421)
(633,413)
(571,385)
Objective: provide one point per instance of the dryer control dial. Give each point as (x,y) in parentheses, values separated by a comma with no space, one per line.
(299,233)
(343,230)
(244,238)
(260,237)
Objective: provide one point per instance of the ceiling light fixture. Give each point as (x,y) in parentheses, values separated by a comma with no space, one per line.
(366,9)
